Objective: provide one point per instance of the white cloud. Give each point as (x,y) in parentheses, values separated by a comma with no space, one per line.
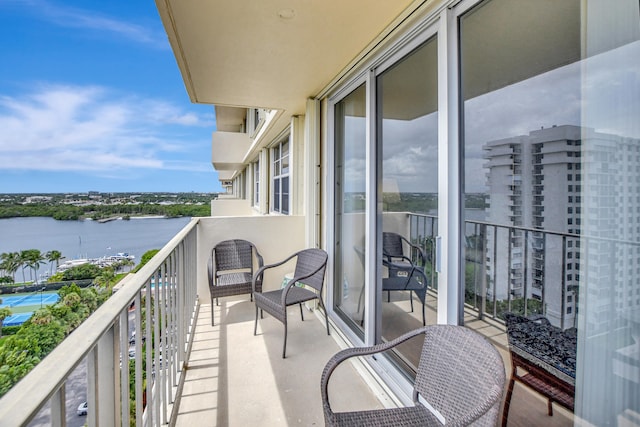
(70,17)
(89,128)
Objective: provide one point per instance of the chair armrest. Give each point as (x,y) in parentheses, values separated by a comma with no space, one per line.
(348,353)
(416,247)
(261,270)
(260,259)
(293,282)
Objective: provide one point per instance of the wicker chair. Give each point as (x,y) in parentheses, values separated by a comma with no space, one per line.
(230,269)
(460,381)
(404,273)
(310,268)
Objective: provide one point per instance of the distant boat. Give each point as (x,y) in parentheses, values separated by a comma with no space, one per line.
(104,261)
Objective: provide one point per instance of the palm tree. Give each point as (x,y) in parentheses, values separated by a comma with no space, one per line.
(54,256)
(33,259)
(106,277)
(10,263)
(22,263)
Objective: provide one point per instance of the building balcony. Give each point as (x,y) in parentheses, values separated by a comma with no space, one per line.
(228,150)
(198,374)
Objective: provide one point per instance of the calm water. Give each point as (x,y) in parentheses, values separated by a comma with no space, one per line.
(87,239)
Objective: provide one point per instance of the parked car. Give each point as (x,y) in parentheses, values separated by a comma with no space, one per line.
(82,409)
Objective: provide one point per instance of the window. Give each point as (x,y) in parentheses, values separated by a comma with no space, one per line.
(280,173)
(256,183)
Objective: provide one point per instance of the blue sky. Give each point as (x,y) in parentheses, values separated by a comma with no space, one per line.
(91,98)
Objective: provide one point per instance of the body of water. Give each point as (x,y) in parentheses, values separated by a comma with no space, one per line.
(86,239)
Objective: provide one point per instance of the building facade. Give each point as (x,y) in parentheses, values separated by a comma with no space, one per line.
(370,117)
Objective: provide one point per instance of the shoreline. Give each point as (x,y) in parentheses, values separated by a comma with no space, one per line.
(121,218)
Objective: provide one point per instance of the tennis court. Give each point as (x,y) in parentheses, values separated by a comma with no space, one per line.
(33,299)
(17,319)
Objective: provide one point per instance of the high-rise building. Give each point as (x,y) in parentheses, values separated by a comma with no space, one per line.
(535,183)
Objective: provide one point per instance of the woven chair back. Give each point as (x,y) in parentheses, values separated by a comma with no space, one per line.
(310,260)
(392,245)
(456,388)
(233,254)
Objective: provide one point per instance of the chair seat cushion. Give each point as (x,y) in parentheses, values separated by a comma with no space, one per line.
(296,295)
(234,279)
(397,417)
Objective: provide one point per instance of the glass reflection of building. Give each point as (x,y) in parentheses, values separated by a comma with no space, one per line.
(550,162)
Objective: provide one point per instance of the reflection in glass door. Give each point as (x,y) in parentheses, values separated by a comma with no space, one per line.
(350,204)
(407,130)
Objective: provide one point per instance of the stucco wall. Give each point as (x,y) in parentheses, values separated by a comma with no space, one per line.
(276,237)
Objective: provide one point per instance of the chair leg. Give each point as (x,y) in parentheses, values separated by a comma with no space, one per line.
(212,321)
(549,408)
(255,325)
(411,299)
(388,296)
(326,316)
(424,320)
(507,402)
(284,345)
(360,298)
(301,315)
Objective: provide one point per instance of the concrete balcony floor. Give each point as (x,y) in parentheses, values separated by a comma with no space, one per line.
(237,379)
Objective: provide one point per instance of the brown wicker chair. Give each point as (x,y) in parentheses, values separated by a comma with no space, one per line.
(310,268)
(230,269)
(460,380)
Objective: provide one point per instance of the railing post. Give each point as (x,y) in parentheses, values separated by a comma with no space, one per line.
(510,236)
(164,327)
(483,272)
(140,335)
(58,408)
(101,381)
(525,263)
(124,368)
(182,318)
(149,356)
(563,281)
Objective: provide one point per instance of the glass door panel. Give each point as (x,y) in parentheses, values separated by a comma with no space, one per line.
(522,162)
(350,204)
(407,120)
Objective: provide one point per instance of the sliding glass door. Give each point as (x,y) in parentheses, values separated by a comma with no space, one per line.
(350,197)
(407,192)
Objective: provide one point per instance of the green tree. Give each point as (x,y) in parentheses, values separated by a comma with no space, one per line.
(34,259)
(84,271)
(106,277)
(22,263)
(10,262)
(146,257)
(54,256)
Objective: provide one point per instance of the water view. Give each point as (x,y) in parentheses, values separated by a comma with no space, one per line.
(87,239)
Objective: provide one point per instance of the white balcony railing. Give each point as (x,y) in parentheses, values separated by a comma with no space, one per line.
(166,321)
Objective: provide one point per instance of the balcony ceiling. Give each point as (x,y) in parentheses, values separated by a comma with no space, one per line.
(270,53)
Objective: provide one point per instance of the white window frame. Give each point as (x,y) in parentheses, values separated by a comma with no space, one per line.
(256,183)
(278,176)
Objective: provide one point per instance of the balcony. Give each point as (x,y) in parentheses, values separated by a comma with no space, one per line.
(200,374)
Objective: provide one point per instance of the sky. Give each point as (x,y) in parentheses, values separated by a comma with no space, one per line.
(91,99)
